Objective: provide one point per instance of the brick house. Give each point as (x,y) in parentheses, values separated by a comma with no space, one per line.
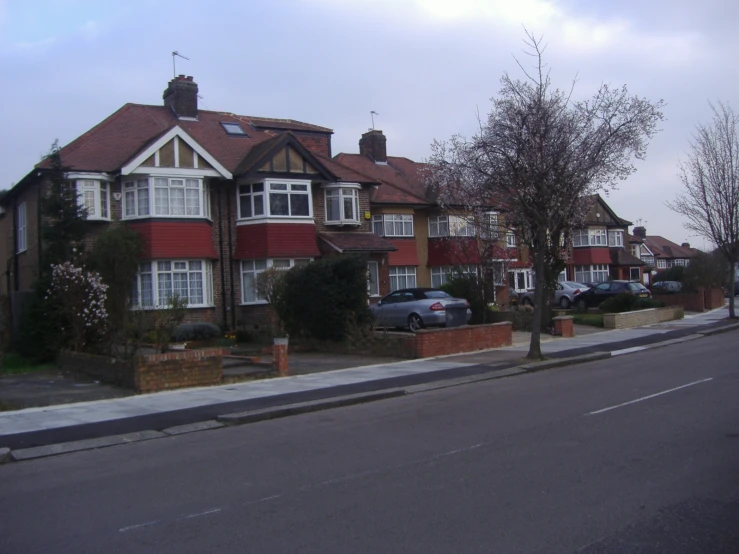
(430,243)
(662,253)
(599,248)
(216,197)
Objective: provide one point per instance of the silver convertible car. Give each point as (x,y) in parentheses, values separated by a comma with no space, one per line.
(415,308)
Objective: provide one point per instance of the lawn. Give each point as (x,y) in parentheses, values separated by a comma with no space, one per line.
(595,320)
(13,364)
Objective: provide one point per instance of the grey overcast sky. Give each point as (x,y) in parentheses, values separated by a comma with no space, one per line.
(426,66)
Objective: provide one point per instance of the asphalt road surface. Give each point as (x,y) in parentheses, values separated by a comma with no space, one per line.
(636,454)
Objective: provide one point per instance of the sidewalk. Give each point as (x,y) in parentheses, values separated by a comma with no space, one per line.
(34,426)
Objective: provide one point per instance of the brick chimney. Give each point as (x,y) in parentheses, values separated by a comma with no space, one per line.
(685,245)
(182,97)
(640,232)
(372,144)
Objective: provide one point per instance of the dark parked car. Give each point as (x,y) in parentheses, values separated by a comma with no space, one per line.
(666,287)
(415,308)
(602,291)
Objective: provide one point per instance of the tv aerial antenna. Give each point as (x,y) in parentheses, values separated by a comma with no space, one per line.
(174,70)
(373,113)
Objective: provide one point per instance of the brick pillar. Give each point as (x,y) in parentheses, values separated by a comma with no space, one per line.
(279,352)
(563,326)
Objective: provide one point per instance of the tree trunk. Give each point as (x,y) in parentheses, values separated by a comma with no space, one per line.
(539,253)
(732,292)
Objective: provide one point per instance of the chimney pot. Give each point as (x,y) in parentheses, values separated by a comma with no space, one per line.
(640,232)
(685,245)
(374,144)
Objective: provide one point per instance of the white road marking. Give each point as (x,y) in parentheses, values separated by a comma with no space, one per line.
(650,396)
(132,527)
(627,350)
(205,513)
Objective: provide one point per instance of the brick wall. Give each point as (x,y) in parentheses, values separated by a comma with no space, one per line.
(152,373)
(691,301)
(439,342)
(626,320)
(713,298)
(176,370)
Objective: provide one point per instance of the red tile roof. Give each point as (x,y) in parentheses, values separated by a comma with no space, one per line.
(401,178)
(664,248)
(121,136)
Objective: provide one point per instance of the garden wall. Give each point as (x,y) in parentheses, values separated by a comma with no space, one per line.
(638,318)
(442,341)
(704,299)
(151,373)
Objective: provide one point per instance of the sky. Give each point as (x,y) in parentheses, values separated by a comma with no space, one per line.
(427,67)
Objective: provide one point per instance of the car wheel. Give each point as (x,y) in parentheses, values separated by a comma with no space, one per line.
(564,302)
(415,322)
(527,302)
(582,305)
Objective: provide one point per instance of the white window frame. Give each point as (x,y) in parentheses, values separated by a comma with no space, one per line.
(440,275)
(520,277)
(510,239)
(373,279)
(491,231)
(153,276)
(22,228)
(438,226)
(600,273)
(252,269)
(342,192)
(661,263)
(580,237)
(616,238)
(143,198)
(451,226)
(393,225)
(405,274)
(94,196)
(598,237)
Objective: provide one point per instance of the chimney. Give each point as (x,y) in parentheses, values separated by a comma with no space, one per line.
(372,144)
(182,97)
(640,232)
(685,245)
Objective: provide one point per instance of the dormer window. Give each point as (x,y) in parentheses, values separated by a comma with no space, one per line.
(275,199)
(342,204)
(233,129)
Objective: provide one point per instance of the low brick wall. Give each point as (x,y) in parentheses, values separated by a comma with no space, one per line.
(151,373)
(396,345)
(438,342)
(176,370)
(638,318)
(691,301)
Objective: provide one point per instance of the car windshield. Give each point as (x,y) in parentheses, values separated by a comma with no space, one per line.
(436,294)
(637,286)
(574,285)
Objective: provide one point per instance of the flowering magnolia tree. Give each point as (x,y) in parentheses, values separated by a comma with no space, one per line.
(539,156)
(80,297)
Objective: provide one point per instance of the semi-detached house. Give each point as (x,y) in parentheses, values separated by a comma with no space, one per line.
(216,197)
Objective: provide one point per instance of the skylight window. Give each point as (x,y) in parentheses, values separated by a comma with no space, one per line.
(233,129)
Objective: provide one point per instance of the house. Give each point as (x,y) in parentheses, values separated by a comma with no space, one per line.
(662,253)
(431,243)
(216,197)
(599,250)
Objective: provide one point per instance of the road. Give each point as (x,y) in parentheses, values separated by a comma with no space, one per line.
(635,454)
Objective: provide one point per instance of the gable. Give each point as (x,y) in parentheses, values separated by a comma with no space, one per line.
(175,150)
(287,160)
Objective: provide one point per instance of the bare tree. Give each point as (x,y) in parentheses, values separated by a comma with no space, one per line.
(710,175)
(541,155)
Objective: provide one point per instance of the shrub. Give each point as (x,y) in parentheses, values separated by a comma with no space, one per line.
(319,299)
(628,303)
(595,320)
(195,331)
(469,287)
(167,320)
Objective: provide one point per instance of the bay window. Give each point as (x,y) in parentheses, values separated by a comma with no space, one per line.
(342,204)
(393,225)
(165,197)
(402,277)
(598,237)
(94,196)
(615,238)
(373,279)
(596,273)
(251,269)
(157,282)
(452,226)
(443,274)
